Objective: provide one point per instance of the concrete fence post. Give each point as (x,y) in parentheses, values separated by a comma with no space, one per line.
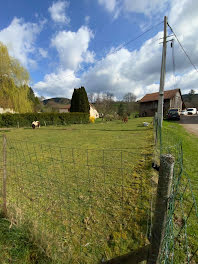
(161,207)
(4,192)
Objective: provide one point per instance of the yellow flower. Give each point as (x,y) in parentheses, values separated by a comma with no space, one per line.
(91,119)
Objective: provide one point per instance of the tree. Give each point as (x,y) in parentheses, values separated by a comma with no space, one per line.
(129,97)
(104,103)
(191,94)
(131,105)
(79,101)
(32,98)
(11,67)
(13,83)
(121,110)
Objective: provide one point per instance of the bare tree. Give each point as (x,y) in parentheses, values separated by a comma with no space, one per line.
(104,103)
(129,97)
(91,97)
(131,105)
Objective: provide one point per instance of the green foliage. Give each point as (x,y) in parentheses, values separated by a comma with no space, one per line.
(79,101)
(13,79)
(11,67)
(121,109)
(32,98)
(14,97)
(25,120)
(74,101)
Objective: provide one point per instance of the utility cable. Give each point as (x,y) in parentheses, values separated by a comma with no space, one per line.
(183,48)
(123,45)
(173,61)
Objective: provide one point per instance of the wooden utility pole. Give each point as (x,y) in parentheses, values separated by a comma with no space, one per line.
(162,77)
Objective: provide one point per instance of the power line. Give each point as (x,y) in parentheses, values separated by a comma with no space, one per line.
(132,40)
(123,45)
(183,48)
(173,61)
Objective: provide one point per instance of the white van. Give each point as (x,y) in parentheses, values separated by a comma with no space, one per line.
(192,111)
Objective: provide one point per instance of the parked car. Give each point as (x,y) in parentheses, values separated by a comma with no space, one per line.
(192,111)
(184,112)
(174,114)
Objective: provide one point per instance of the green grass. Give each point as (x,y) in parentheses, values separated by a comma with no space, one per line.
(16,247)
(114,134)
(185,214)
(190,149)
(83,189)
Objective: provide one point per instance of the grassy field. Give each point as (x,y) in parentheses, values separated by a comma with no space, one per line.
(190,148)
(184,227)
(83,190)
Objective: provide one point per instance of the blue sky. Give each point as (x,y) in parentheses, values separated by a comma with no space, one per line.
(67,44)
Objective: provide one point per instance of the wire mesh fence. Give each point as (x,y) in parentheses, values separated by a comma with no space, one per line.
(180,242)
(84,206)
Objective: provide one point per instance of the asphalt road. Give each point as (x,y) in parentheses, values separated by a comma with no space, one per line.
(190,123)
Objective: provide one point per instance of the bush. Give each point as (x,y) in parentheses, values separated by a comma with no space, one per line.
(109,117)
(25,120)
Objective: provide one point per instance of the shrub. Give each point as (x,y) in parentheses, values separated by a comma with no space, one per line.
(109,117)
(25,120)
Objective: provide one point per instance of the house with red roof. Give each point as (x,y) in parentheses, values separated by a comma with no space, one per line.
(172,99)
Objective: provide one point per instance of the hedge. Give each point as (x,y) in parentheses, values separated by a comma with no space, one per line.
(25,120)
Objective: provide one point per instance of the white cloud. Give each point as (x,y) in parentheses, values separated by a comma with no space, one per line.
(146,7)
(72,47)
(110,5)
(57,84)
(139,71)
(87,19)
(43,52)
(20,39)
(73,50)
(126,71)
(57,12)
(136,71)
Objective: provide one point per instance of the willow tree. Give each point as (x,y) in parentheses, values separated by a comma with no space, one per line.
(13,83)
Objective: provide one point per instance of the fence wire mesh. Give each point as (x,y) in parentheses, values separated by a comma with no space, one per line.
(180,243)
(84,206)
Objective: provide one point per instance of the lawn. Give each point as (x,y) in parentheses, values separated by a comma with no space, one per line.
(16,247)
(184,228)
(83,190)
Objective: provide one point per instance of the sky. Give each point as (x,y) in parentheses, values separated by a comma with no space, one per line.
(93,43)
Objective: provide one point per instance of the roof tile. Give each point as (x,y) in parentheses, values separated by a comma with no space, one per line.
(154,96)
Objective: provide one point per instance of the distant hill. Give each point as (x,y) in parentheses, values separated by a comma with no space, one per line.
(190,100)
(57,100)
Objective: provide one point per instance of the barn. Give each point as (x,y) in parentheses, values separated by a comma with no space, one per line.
(172,99)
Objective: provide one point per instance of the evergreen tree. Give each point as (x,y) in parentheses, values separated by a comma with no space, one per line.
(79,101)
(84,102)
(74,100)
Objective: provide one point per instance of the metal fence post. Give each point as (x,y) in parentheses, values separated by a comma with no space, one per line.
(4,177)
(161,207)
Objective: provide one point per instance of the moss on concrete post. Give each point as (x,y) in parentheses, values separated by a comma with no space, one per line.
(161,207)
